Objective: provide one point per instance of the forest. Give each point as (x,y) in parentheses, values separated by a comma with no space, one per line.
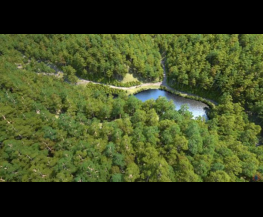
(52,130)
(216,64)
(96,56)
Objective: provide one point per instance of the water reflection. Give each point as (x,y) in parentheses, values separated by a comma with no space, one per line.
(197,108)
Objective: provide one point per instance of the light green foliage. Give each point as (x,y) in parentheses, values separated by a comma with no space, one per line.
(218,176)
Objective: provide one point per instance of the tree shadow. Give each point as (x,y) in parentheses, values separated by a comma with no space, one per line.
(207,112)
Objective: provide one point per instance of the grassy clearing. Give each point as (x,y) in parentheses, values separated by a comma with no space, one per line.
(60,74)
(129,78)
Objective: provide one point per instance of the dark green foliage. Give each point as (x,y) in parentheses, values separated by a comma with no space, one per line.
(98,57)
(211,65)
(54,131)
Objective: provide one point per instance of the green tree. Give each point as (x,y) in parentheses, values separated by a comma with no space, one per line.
(218,176)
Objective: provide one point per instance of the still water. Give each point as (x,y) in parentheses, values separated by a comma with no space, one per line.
(197,108)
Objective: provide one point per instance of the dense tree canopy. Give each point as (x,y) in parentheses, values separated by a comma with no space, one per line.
(92,56)
(216,64)
(55,131)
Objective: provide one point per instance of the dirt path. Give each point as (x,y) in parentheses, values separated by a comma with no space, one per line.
(82,81)
(157,85)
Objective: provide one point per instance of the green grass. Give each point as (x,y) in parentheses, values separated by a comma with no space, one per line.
(129,78)
(60,75)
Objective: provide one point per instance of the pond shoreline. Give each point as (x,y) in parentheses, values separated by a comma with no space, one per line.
(177,93)
(197,108)
(197,98)
(155,86)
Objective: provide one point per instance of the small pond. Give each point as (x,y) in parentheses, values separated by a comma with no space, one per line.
(197,108)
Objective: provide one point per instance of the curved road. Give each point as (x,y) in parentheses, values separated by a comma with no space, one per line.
(82,81)
(159,84)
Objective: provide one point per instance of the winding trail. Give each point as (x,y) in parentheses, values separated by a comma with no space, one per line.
(82,81)
(157,85)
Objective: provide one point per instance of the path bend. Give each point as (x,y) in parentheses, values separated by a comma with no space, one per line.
(157,85)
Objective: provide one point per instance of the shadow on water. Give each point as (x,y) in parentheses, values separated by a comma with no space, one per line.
(207,110)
